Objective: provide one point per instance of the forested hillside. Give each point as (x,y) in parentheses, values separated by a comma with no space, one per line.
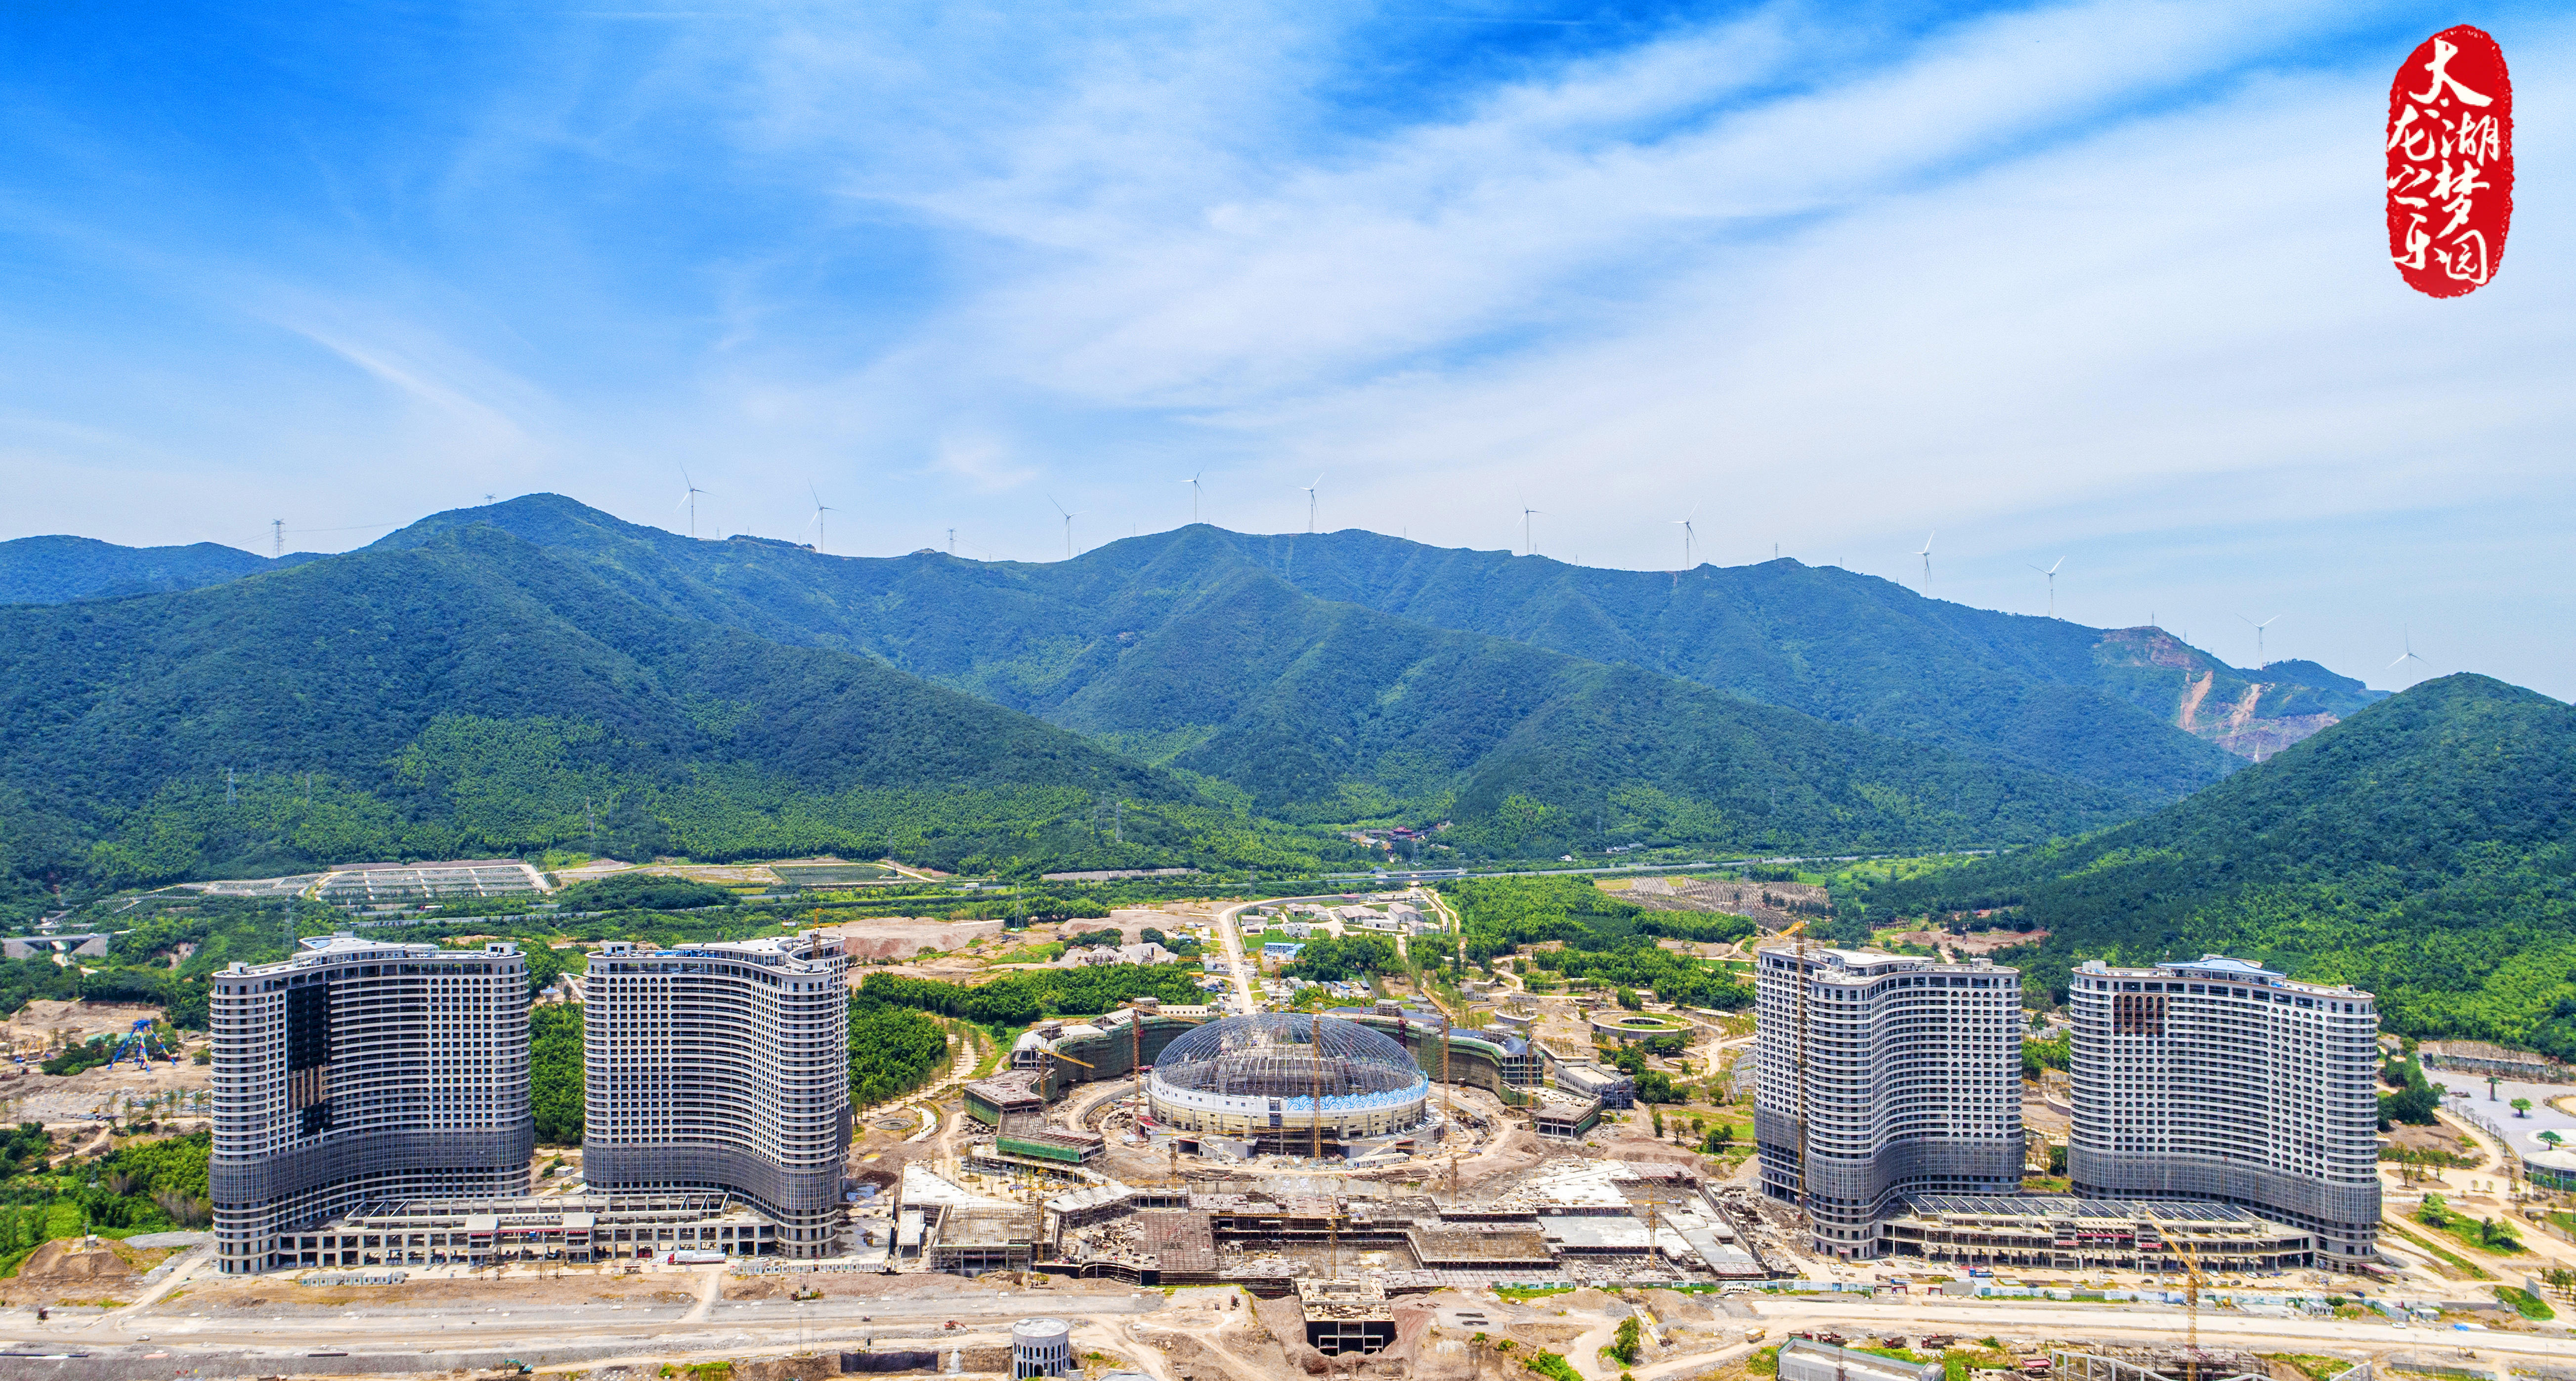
(1315,710)
(2424,849)
(53,570)
(2129,707)
(473,696)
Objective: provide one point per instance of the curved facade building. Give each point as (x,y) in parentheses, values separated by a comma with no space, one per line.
(722,1066)
(359,1071)
(1278,1078)
(2221,1080)
(1890,1075)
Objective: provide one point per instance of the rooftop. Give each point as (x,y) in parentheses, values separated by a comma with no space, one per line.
(2223,969)
(344,946)
(2177,1212)
(812,951)
(1870,962)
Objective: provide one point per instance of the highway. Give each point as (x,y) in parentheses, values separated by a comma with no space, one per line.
(701,1324)
(742,1327)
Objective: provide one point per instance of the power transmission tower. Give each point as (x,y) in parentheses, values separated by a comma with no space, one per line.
(277,536)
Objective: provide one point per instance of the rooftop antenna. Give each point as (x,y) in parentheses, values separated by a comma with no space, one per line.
(2051,573)
(690,499)
(1310,503)
(1926,554)
(2409,654)
(277,536)
(820,508)
(2261,659)
(1068,528)
(1193,483)
(1687,534)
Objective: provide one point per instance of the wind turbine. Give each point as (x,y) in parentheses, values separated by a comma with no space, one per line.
(2262,659)
(1687,534)
(2051,573)
(1193,483)
(690,499)
(1926,554)
(1529,547)
(1068,528)
(1310,503)
(820,508)
(2409,654)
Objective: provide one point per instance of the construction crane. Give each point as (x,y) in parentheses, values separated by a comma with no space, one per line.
(2193,1280)
(1798,931)
(1315,1086)
(1068,1059)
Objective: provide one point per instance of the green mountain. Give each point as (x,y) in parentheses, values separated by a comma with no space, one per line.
(2119,707)
(2133,711)
(2424,849)
(1180,652)
(56,570)
(471,696)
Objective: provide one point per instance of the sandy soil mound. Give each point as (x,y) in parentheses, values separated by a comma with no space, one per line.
(68,1260)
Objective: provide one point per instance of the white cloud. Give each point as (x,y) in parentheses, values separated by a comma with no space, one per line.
(2102,277)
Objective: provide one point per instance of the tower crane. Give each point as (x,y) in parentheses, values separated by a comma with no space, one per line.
(2193,1280)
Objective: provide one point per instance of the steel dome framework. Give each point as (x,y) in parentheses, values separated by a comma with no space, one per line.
(1285,1055)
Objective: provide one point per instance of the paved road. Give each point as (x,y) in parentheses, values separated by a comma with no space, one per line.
(757,1325)
(1443,874)
(1229,935)
(704,1322)
(2157,1324)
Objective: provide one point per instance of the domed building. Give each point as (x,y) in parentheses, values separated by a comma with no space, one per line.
(1272,1078)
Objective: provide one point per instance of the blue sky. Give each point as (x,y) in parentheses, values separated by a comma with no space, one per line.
(2104,282)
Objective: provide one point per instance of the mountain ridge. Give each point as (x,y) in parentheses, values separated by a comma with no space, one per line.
(2424,849)
(1088,644)
(474,693)
(784,592)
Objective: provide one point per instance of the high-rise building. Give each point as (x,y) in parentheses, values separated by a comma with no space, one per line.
(358,1071)
(2217,1079)
(1882,1075)
(723,1066)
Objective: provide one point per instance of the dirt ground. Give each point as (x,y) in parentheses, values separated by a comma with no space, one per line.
(27,1094)
(1770,905)
(901,937)
(73,1270)
(867,1285)
(48,1022)
(1974,942)
(2408,1138)
(279,1294)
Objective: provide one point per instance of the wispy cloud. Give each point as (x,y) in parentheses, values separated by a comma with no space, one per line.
(2094,275)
